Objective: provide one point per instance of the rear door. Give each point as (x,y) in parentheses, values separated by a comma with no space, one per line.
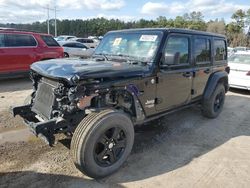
(3,58)
(69,48)
(50,48)
(176,73)
(19,52)
(202,50)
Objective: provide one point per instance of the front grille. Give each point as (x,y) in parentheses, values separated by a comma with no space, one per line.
(45,98)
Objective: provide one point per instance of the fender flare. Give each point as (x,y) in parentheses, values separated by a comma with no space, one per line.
(134,92)
(213,80)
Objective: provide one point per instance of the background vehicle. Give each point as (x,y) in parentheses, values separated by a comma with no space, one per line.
(90,43)
(76,49)
(19,49)
(64,37)
(230,51)
(239,76)
(134,76)
(241,48)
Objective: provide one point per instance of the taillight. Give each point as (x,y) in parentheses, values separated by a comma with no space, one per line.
(248,73)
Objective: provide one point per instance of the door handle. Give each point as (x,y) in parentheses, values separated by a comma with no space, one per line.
(187,74)
(207,71)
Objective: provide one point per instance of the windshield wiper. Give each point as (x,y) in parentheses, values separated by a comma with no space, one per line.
(127,58)
(136,61)
(130,59)
(103,55)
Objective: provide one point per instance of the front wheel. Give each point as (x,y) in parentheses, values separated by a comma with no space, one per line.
(212,107)
(102,142)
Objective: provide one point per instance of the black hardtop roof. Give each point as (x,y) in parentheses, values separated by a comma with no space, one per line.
(172,30)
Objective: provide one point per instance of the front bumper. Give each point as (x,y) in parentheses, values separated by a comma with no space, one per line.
(45,129)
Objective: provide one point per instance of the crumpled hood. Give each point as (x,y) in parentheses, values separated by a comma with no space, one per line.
(68,68)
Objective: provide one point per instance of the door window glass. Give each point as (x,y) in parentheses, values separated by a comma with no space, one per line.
(202,49)
(177,50)
(2,43)
(13,40)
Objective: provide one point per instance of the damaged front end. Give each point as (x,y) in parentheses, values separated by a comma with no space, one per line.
(55,107)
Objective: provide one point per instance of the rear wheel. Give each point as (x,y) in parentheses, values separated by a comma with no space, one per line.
(102,142)
(212,107)
(66,55)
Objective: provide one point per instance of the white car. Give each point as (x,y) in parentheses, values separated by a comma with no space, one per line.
(76,49)
(241,48)
(91,43)
(230,51)
(64,37)
(239,76)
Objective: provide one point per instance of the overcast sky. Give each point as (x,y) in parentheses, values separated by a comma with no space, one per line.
(27,11)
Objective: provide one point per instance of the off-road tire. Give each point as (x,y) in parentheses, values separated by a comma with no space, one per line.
(209,108)
(89,131)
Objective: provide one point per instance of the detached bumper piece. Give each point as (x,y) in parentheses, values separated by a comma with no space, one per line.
(45,130)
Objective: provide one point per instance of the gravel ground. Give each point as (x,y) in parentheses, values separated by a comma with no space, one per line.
(181,150)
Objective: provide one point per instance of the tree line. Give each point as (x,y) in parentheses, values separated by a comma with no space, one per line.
(237,31)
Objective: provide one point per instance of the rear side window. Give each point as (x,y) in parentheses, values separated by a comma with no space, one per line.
(80,45)
(2,43)
(69,45)
(14,40)
(90,41)
(220,50)
(74,45)
(49,40)
(80,40)
(202,50)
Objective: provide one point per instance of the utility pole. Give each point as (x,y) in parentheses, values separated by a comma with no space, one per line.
(48,18)
(55,23)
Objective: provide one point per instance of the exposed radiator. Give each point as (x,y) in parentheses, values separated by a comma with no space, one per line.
(45,98)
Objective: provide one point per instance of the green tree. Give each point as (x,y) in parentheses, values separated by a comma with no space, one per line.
(239,17)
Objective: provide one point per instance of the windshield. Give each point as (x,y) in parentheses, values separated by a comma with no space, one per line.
(239,58)
(140,46)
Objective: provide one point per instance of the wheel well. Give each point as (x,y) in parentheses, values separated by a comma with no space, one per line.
(224,81)
(116,99)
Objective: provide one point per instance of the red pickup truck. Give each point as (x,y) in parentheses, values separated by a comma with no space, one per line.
(19,49)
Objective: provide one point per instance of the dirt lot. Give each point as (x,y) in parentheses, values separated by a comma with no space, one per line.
(183,150)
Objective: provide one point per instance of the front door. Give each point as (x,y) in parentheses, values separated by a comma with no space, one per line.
(176,73)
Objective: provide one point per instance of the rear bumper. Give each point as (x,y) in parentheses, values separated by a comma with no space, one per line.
(45,130)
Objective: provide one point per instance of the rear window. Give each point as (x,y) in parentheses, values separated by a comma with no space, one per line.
(49,40)
(14,40)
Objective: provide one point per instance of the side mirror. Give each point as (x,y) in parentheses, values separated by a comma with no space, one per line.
(168,59)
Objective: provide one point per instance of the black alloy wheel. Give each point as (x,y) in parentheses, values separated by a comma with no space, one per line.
(110,146)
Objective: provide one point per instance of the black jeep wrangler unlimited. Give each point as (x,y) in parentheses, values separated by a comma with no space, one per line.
(134,76)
